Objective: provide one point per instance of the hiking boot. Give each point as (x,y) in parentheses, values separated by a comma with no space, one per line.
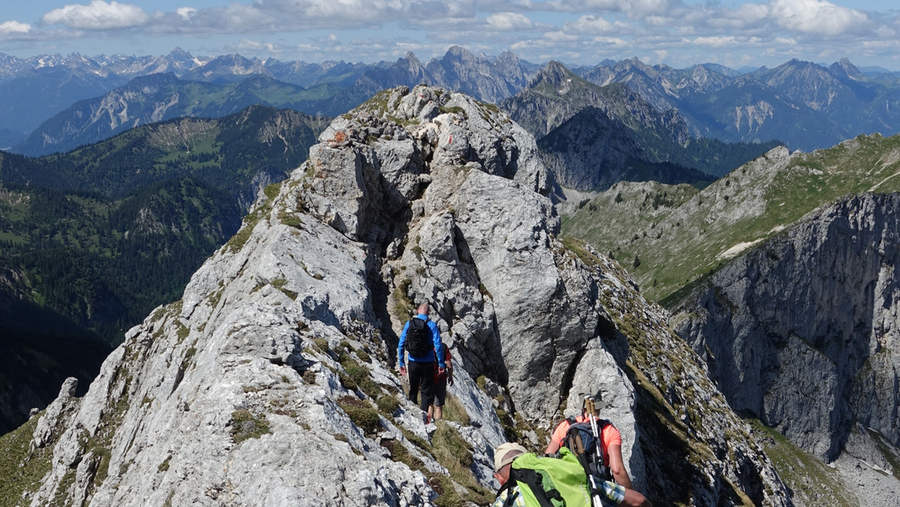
(427,419)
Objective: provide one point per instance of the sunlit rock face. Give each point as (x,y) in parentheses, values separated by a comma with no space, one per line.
(273,382)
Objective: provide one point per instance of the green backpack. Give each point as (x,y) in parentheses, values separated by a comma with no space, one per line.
(549,481)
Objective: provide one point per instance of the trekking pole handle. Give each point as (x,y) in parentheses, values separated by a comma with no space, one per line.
(588,406)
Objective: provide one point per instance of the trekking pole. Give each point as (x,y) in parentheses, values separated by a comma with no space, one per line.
(592,415)
(588,407)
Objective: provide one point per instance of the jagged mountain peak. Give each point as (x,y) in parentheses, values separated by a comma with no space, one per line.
(555,71)
(280,352)
(557,77)
(412,59)
(178,52)
(508,56)
(843,68)
(459,52)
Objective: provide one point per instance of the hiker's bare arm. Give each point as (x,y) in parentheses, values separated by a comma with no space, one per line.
(635,499)
(617,466)
(552,447)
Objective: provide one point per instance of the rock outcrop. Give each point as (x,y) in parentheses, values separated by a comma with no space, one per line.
(802,331)
(271,381)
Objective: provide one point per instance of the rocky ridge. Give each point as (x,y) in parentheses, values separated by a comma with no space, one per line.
(279,354)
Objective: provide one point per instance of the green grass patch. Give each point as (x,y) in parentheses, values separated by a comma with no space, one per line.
(884,447)
(354,376)
(453,410)
(388,405)
(580,248)
(401,454)
(240,238)
(271,191)
(809,478)
(403,306)
(279,283)
(453,110)
(20,468)
(361,413)
(290,219)
(244,425)
(455,454)
(181,331)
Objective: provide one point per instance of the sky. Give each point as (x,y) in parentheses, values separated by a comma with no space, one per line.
(679,33)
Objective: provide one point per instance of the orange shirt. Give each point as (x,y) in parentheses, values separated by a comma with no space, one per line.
(609,435)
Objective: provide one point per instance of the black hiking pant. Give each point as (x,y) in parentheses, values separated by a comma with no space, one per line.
(421,374)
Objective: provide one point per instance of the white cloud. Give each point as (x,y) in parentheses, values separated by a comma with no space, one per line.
(717,42)
(252,46)
(509,21)
(186,13)
(751,13)
(14,28)
(634,9)
(590,25)
(684,29)
(99,15)
(816,17)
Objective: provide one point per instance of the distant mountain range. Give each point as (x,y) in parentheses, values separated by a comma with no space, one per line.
(155,98)
(805,105)
(593,136)
(564,111)
(36,89)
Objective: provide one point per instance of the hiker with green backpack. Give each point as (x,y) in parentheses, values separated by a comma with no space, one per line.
(527,480)
(422,340)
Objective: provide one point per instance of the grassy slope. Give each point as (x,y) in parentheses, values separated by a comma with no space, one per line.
(677,243)
(21,469)
(810,480)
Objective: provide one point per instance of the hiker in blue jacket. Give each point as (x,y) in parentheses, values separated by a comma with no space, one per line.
(422,340)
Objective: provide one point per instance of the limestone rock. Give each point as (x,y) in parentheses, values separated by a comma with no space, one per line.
(802,331)
(271,381)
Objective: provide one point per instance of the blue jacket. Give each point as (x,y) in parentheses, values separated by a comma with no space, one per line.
(435,336)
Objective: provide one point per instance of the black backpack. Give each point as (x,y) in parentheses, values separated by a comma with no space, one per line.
(586,447)
(418,338)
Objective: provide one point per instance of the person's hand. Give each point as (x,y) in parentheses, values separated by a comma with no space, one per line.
(402,370)
(450,380)
(440,372)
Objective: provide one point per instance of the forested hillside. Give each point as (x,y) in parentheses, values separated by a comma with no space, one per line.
(92,240)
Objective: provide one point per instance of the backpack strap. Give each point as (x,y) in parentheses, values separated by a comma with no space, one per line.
(535,482)
(510,497)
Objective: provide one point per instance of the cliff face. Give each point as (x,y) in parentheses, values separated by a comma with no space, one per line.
(802,332)
(271,381)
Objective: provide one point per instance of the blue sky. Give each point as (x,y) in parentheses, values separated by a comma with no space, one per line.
(679,33)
